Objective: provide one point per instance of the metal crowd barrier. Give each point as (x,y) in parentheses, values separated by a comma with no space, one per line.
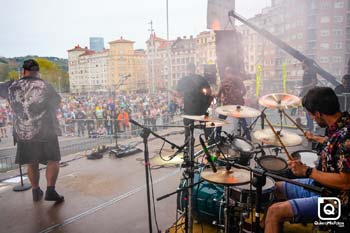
(8,155)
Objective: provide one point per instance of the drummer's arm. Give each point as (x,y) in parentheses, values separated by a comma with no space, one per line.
(339,180)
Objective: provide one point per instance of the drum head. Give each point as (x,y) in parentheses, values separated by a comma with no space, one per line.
(308,157)
(242,144)
(272,163)
(270,185)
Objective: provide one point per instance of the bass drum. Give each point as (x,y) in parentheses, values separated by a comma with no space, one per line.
(207,201)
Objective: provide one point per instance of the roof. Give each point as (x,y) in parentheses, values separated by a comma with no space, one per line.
(121,40)
(77,48)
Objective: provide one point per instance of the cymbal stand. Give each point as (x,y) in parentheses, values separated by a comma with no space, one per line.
(256,119)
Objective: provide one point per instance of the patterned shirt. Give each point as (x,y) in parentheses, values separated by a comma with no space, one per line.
(232,91)
(335,157)
(34,102)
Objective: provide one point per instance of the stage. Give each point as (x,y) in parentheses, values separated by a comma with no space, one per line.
(105,195)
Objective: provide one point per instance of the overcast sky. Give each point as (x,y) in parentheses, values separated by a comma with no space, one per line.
(51,27)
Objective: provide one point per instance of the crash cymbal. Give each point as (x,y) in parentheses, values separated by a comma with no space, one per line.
(237,111)
(202,118)
(215,124)
(234,176)
(279,101)
(268,137)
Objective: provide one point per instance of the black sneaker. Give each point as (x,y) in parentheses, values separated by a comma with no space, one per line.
(53,196)
(37,194)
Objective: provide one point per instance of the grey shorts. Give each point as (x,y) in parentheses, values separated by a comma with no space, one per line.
(38,152)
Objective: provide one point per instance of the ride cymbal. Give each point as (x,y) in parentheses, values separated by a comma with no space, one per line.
(280,101)
(234,176)
(268,137)
(238,111)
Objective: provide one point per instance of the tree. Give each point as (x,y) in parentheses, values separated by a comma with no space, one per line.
(52,73)
(12,75)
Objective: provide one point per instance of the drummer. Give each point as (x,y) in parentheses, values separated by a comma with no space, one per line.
(231,92)
(333,171)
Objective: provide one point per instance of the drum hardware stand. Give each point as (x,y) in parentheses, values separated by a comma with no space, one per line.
(256,119)
(259,180)
(145,134)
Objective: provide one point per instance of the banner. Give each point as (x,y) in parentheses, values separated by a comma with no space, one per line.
(258,78)
(284,68)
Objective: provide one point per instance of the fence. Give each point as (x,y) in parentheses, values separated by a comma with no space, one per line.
(7,156)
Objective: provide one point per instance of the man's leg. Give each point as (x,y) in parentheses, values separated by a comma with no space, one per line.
(52,170)
(34,177)
(276,215)
(34,174)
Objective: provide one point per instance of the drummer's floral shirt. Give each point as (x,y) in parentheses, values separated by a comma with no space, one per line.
(335,157)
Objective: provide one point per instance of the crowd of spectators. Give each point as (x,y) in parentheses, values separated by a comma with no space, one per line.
(105,114)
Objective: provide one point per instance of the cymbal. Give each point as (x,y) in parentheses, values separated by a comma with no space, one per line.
(237,111)
(268,137)
(234,176)
(279,101)
(215,124)
(202,118)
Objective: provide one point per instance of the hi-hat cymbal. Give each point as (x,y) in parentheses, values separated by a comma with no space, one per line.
(237,111)
(279,101)
(202,118)
(234,176)
(268,137)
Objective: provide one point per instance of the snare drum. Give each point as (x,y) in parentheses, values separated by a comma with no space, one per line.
(273,164)
(239,150)
(241,194)
(308,157)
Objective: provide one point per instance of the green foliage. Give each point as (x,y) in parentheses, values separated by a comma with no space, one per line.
(12,75)
(52,69)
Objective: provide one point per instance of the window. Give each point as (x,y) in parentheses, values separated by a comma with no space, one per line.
(324,59)
(324,45)
(338,19)
(336,59)
(324,33)
(325,19)
(339,4)
(337,32)
(337,45)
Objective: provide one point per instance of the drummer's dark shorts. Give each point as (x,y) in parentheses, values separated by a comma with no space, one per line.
(303,202)
(38,152)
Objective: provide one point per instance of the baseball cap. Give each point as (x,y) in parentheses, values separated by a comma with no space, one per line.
(30,65)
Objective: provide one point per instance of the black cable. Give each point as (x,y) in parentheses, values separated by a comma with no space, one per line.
(154,205)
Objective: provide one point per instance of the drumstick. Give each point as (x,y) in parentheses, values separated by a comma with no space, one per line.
(298,126)
(279,139)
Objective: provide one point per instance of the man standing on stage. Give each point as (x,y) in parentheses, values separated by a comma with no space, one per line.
(231,92)
(309,82)
(332,171)
(196,93)
(34,102)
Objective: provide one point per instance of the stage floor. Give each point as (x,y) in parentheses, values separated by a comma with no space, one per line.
(105,195)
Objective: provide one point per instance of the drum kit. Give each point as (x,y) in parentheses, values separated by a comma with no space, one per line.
(225,196)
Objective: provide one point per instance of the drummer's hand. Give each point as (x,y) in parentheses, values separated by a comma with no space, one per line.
(310,136)
(297,167)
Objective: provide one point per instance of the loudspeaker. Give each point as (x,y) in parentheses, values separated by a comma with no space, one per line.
(95,155)
(229,51)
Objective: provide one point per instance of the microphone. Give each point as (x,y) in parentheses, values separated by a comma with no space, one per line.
(135,123)
(206,152)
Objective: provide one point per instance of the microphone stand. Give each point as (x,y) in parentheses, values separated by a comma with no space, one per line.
(145,134)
